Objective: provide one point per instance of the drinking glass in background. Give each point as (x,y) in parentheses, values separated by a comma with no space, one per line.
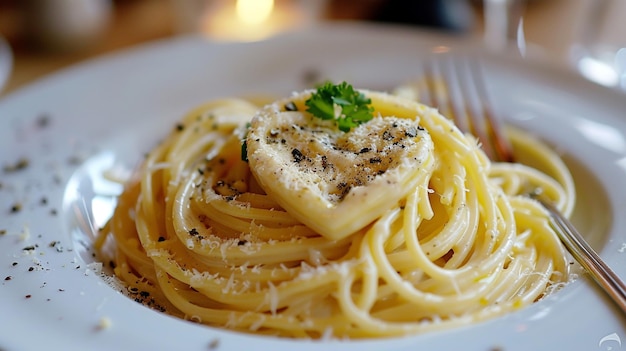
(6,62)
(599,53)
(504,24)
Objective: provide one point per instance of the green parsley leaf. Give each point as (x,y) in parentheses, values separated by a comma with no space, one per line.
(244,150)
(244,144)
(341,103)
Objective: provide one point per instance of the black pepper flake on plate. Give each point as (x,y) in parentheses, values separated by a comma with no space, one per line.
(193,232)
(8,277)
(214,344)
(43,121)
(56,179)
(17,207)
(28,296)
(19,165)
(3,231)
(74,160)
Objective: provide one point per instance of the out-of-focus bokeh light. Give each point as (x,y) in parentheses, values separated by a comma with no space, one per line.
(254,11)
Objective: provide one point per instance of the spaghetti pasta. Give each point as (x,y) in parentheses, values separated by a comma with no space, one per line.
(358,234)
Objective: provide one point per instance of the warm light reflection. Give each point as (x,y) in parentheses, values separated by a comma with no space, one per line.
(254,11)
(250,20)
(602,135)
(441,49)
(598,71)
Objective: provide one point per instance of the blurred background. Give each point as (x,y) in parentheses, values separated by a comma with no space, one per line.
(38,37)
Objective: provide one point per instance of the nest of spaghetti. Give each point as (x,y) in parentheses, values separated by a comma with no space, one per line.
(265,219)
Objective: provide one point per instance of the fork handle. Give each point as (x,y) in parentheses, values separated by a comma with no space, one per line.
(587,257)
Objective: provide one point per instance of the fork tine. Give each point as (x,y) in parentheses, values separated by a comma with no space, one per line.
(456,87)
(465,92)
(454,90)
(422,85)
(479,124)
(495,130)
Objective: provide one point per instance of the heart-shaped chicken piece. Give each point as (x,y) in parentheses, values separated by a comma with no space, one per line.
(338,182)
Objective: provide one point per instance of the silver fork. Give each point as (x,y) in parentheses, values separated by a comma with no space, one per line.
(456,87)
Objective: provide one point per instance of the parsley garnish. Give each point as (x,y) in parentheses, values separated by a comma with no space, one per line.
(244,144)
(341,103)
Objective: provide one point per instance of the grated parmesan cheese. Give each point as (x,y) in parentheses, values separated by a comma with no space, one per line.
(190,244)
(157,253)
(230,284)
(258,323)
(273,298)
(25,233)
(328,334)
(104,323)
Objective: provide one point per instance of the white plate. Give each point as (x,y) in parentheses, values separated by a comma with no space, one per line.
(109,111)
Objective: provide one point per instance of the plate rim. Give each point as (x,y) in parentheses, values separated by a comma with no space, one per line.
(235,338)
